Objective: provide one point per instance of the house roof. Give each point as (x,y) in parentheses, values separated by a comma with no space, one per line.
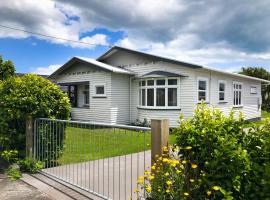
(157,74)
(155,57)
(114,49)
(89,61)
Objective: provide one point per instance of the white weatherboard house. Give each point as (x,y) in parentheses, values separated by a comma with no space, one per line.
(124,85)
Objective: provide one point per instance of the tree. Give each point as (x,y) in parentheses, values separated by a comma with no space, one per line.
(7,69)
(29,95)
(262,73)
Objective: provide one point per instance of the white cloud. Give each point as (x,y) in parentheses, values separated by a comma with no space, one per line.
(95,39)
(46,70)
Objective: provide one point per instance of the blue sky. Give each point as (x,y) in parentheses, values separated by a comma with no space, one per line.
(223,34)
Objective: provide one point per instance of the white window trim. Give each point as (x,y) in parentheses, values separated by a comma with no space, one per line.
(238,83)
(225,88)
(254,86)
(95,90)
(84,90)
(155,86)
(206,91)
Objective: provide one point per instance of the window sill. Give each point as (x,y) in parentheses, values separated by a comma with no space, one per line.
(203,102)
(222,102)
(99,96)
(158,108)
(238,106)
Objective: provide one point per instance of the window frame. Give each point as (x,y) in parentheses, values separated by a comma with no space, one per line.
(254,86)
(95,90)
(237,90)
(219,91)
(155,87)
(206,89)
(86,91)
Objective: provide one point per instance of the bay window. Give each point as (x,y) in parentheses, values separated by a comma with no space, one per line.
(159,93)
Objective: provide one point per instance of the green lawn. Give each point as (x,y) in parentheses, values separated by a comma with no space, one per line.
(264,115)
(86,144)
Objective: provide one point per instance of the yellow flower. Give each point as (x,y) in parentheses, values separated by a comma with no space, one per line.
(191,180)
(146,172)
(216,188)
(165,160)
(159,190)
(151,178)
(178,171)
(156,155)
(167,191)
(186,194)
(209,193)
(184,161)
(169,183)
(153,167)
(140,180)
(136,191)
(188,148)
(165,148)
(166,174)
(148,189)
(194,166)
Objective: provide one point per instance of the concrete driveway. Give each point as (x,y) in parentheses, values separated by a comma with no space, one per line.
(14,190)
(115,178)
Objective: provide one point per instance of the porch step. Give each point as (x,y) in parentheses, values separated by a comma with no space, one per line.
(57,189)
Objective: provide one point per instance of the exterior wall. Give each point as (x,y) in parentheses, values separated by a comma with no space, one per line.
(120,107)
(188,92)
(99,108)
(186,95)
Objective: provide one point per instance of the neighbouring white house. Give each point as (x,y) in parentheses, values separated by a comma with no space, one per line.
(124,85)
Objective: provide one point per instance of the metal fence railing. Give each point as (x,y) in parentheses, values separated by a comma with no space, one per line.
(100,158)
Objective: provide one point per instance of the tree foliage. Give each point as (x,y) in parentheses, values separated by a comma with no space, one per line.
(7,69)
(29,95)
(262,73)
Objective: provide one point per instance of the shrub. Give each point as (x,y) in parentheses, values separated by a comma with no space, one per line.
(13,173)
(30,165)
(168,179)
(234,158)
(144,123)
(21,97)
(11,156)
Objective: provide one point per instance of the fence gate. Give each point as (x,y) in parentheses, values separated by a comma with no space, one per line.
(103,159)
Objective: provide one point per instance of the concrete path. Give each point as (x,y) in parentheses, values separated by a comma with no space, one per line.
(115,178)
(14,190)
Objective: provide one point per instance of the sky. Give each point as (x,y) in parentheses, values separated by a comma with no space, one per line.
(222,34)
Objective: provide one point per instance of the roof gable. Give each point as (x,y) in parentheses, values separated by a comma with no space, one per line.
(89,62)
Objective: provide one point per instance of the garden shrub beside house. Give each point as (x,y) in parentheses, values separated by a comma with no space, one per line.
(21,98)
(216,159)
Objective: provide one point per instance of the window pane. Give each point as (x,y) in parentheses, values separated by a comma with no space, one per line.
(240,86)
(140,97)
(143,97)
(202,85)
(143,83)
(150,97)
(240,99)
(202,96)
(172,96)
(172,81)
(150,82)
(161,82)
(99,89)
(221,87)
(160,97)
(221,96)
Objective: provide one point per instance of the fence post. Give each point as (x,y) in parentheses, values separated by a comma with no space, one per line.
(159,137)
(29,137)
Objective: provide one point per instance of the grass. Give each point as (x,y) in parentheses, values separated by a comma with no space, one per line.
(264,115)
(85,145)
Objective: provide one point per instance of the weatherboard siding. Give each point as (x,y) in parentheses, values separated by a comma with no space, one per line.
(120,106)
(99,107)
